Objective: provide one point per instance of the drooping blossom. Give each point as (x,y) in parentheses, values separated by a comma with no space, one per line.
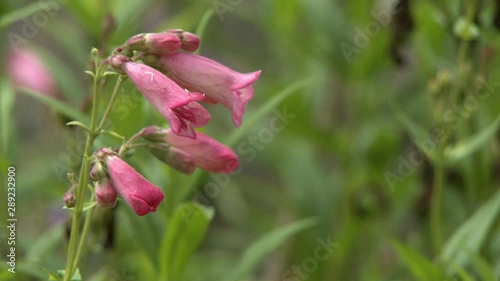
(178,106)
(204,152)
(26,69)
(141,195)
(219,83)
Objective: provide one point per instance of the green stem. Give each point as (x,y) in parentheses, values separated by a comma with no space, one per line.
(86,227)
(435,219)
(118,84)
(82,187)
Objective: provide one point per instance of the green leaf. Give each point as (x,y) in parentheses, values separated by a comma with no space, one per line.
(472,233)
(89,72)
(264,246)
(467,146)
(79,124)
(76,276)
(7,99)
(184,233)
(58,106)
(113,134)
(483,269)
(421,268)
(19,14)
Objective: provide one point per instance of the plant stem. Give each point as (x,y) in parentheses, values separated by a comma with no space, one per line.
(118,84)
(82,187)
(86,226)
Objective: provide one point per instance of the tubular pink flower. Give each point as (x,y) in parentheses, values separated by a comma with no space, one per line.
(219,83)
(205,152)
(27,70)
(178,106)
(141,195)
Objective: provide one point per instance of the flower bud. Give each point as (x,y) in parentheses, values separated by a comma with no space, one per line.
(116,62)
(97,171)
(163,43)
(175,158)
(105,193)
(69,199)
(153,133)
(190,41)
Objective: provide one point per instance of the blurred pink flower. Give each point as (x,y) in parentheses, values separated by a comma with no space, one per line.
(205,152)
(178,106)
(141,195)
(26,69)
(219,83)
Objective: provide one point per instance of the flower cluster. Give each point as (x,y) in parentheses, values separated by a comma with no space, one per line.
(174,81)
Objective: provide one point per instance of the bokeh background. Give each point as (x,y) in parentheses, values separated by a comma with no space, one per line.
(359,87)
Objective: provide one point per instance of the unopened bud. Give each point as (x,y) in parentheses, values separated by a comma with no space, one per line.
(69,199)
(105,193)
(116,62)
(190,41)
(153,133)
(97,170)
(175,158)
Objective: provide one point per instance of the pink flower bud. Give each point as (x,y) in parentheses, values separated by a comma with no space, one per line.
(69,199)
(105,193)
(205,152)
(141,195)
(178,106)
(163,43)
(190,41)
(175,158)
(26,69)
(219,83)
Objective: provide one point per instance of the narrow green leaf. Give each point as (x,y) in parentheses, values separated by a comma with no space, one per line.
(76,276)
(89,72)
(19,14)
(467,146)
(471,234)
(58,106)
(106,73)
(421,268)
(7,99)
(463,274)
(264,246)
(483,269)
(79,124)
(184,233)
(113,134)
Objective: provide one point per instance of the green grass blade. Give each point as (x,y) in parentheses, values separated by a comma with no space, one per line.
(184,233)
(472,233)
(7,99)
(264,246)
(471,144)
(58,106)
(19,14)
(421,268)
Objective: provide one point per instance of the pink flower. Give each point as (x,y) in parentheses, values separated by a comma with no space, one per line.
(26,69)
(205,152)
(141,195)
(178,106)
(219,83)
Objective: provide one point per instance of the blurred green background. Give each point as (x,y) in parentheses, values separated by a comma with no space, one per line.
(365,84)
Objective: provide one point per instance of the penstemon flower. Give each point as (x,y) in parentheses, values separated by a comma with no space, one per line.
(178,106)
(204,152)
(141,195)
(219,83)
